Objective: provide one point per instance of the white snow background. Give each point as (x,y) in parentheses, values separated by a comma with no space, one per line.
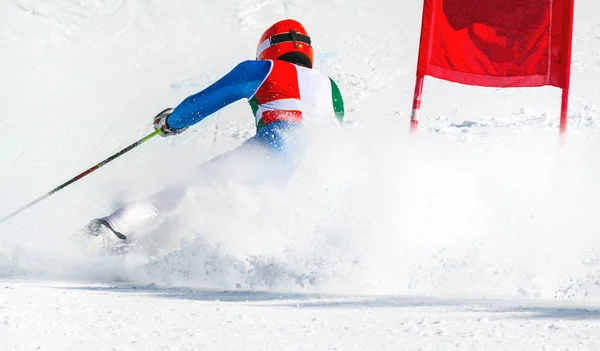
(480,232)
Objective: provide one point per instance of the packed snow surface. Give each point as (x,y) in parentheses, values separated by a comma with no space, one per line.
(480,232)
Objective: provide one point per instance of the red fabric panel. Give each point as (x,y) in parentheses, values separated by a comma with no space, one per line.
(496,43)
(282,83)
(271,116)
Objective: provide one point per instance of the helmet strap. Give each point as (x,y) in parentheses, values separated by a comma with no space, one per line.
(294,38)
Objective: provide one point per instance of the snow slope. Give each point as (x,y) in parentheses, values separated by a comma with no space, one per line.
(478,233)
(147,318)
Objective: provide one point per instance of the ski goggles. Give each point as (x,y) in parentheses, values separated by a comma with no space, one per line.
(292,36)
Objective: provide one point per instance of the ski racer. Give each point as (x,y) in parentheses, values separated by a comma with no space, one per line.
(284,93)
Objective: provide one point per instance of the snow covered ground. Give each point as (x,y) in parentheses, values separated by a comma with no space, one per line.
(479,233)
(59,316)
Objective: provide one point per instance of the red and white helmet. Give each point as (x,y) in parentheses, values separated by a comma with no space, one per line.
(286,40)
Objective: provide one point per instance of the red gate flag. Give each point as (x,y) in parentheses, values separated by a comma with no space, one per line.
(496,43)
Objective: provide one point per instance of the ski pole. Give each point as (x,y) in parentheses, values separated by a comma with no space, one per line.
(76,178)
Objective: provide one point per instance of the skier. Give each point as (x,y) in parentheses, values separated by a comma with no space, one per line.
(284,93)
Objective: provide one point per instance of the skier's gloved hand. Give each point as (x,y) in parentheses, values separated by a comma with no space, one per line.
(160,123)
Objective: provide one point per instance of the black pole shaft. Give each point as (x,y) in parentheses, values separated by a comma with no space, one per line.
(81,175)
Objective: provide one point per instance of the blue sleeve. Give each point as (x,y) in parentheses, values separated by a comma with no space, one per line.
(242,82)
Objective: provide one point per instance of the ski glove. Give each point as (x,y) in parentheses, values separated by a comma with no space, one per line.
(160,123)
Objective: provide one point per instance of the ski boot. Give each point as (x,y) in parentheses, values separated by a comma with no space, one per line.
(102,238)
